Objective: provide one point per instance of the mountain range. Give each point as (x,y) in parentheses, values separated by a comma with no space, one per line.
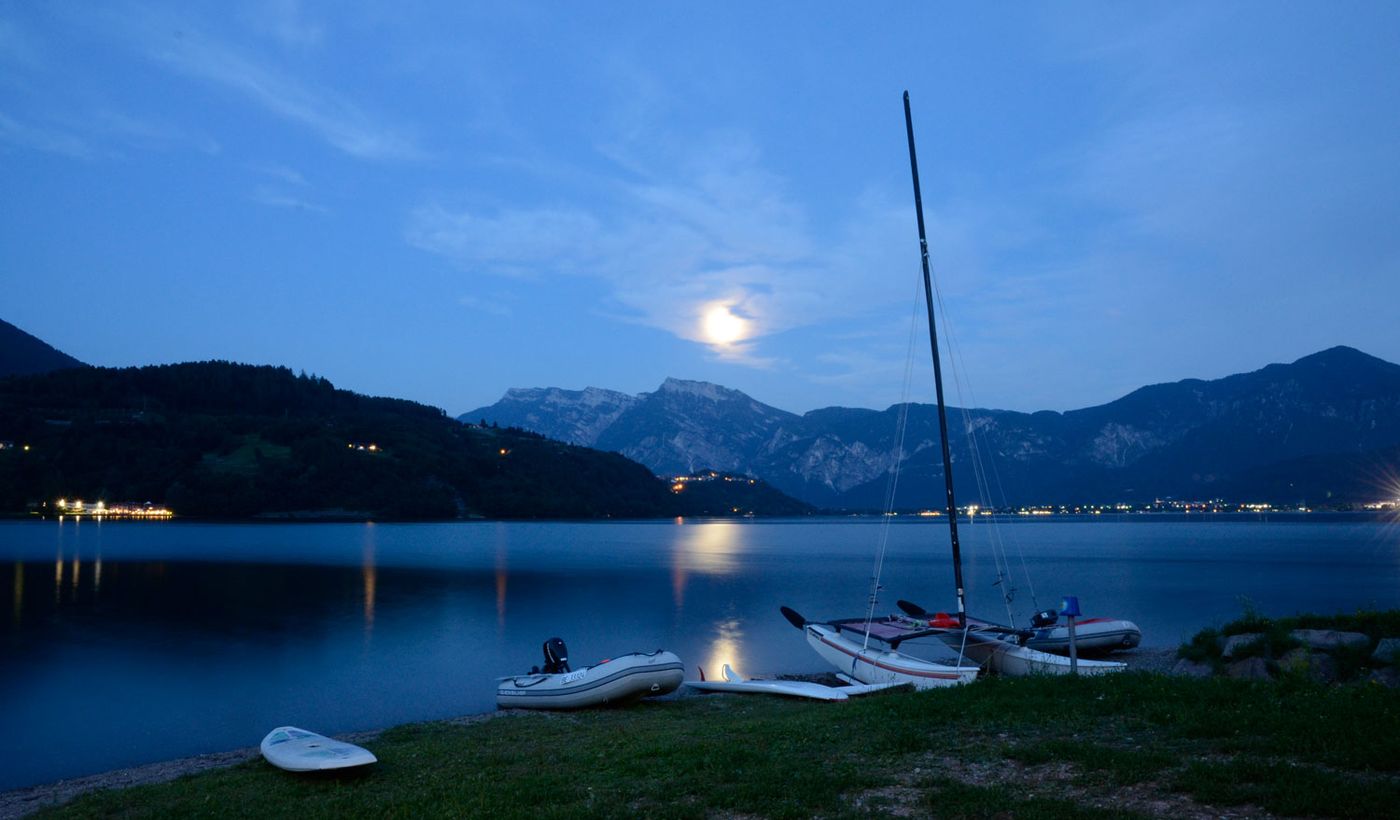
(1322,429)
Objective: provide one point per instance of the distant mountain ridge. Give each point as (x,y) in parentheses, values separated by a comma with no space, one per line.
(22,354)
(1337,410)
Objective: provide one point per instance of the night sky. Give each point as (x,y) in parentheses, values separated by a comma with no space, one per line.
(439,202)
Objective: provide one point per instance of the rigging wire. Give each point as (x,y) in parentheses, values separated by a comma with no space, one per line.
(1000,557)
(892,486)
(973,432)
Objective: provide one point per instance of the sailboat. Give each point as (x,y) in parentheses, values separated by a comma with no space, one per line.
(868,648)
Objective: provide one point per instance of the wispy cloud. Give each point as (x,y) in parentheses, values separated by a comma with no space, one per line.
(275,198)
(44,139)
(281,173)
(288,22)
(477,303)
(330,115)
(670,249)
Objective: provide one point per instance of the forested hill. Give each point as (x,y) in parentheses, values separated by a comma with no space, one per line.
(21,353)
(228,440)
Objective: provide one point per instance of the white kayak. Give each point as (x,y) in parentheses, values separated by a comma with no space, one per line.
(733,682)
(623,679)
(298,750)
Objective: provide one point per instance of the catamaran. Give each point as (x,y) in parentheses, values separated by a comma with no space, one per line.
(868,648)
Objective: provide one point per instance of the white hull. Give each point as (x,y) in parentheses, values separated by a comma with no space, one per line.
(619,680)
(1006,658)
(875,664)
(854,687)
(1093,635)
(791,688)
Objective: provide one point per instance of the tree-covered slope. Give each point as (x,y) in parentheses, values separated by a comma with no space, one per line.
(221,439)
(22,354)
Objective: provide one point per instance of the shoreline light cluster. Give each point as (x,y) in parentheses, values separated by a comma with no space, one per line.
(119,509)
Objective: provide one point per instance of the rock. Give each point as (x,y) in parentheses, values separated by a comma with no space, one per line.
(1255,668)
(1321,668)
(1387,651)
(1388,677)
(1191,669)
(1328,640)
(1234,643)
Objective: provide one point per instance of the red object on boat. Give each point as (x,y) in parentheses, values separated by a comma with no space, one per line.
(943,620)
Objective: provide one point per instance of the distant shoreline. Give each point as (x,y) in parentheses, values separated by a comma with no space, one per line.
(309,517)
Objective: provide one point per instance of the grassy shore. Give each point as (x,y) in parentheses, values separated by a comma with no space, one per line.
(1130,745)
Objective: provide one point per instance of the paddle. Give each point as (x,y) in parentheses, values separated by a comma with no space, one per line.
(911,609)
(793,617)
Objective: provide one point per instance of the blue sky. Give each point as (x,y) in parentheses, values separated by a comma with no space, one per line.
(441,201)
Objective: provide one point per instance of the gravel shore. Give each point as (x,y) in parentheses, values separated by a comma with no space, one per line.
(20,802)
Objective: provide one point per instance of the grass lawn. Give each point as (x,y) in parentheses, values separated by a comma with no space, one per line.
(1124,746)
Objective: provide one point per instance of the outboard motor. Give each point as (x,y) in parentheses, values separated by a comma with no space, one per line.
(556,656)
(1044,618)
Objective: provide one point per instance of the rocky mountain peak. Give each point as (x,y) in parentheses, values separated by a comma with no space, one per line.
(701,390)
(1236,435)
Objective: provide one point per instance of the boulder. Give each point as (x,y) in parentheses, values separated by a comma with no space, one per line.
(1327,640)
(1191,669)
(1321,668)
(1387,651)
(1388,677)
(1255,668)
(1235,643)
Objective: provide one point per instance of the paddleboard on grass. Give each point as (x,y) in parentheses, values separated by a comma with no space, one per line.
(792,688)
(298,750)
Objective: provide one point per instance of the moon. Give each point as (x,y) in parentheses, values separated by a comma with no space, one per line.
(722,327)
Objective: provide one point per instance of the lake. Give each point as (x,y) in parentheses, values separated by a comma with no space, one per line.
(130,642)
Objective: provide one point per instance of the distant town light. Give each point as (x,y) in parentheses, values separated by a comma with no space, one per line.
(117,509)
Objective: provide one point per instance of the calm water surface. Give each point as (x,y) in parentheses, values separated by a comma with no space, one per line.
(130,642)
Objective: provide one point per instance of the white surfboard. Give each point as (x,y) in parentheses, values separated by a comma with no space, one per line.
(733,682)
(298,750)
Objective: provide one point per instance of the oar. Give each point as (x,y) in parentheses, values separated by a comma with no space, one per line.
(793,617)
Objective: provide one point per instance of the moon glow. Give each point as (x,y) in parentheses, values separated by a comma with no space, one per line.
(722,327)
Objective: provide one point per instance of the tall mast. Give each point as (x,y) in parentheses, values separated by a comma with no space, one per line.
(937,371)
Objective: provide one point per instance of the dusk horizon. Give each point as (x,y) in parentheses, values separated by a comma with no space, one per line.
(443,204)
(914,399)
